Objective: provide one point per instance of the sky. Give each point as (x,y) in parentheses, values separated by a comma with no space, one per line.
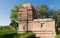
(7,5)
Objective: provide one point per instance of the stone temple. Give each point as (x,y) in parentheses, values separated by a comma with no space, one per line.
(28,22)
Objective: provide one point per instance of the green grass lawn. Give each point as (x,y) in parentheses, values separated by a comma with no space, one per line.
(13,34)
(57,36)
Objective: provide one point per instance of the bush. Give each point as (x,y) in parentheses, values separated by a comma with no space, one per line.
(7,33)
(28,35)
(13,34)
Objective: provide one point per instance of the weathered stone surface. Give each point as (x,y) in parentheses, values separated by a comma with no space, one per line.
(26,12)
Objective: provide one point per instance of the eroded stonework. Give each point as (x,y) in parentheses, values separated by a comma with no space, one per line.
(43,28)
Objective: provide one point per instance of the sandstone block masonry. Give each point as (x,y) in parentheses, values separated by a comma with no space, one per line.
(43,28)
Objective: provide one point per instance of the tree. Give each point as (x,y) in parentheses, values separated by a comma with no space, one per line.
(42,11)
(14,13)
(13,24)
(14,17)
(56,16)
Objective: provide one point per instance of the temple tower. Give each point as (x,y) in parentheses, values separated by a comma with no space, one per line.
(26,13)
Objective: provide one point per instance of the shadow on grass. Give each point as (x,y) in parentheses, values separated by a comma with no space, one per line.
(13,35)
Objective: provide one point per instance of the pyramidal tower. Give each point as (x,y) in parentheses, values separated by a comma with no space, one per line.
(26,13)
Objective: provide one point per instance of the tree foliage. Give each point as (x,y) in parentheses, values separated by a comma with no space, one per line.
(14,13)
(14,17)
(56,16)
(13,24)
(43,11)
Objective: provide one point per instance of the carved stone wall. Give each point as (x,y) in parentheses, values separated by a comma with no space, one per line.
(26,12)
